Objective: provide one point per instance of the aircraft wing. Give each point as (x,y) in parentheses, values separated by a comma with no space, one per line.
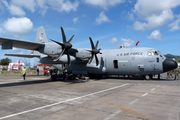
(23,55)
(9,43)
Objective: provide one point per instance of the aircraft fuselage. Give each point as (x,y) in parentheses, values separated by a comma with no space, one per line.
(125,61)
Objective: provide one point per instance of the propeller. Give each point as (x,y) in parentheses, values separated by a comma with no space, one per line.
(94,51)
(66,45)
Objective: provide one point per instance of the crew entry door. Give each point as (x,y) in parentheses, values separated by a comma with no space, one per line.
(115,63)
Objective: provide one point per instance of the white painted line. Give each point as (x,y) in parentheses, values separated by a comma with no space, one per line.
(112,115)
(157,86)
(8,116)
(153,89)
(133,101)
(144,94)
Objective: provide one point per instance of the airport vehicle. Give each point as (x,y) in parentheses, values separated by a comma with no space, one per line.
(125,61)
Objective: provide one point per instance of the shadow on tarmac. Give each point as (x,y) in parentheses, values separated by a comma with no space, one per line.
(133,78)
(25,83)
(46,80)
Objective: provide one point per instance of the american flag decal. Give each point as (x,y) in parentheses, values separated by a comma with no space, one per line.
(41,37)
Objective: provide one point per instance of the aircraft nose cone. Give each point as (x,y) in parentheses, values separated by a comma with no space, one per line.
(169,65)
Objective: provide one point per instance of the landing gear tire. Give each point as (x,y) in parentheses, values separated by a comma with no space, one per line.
(148,77)
(159,76)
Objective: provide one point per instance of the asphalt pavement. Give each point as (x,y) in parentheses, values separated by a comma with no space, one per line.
(113,98)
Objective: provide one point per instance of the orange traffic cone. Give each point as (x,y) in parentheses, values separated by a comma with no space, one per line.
(31,73)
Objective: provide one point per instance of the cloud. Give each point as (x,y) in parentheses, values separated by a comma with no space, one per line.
(139,25)
(130,16)
(17,7)
(20,51)
(62,5)
(18,26)
(113,40)
(13,9)
(175,25)
(57,5)
(75,20)
(143,8)
(28,4)
(154,21)
(103,3)
(156,35)
(43,7)
(1,6)
(152,18)
(127,42)
(102,18)
(2,31)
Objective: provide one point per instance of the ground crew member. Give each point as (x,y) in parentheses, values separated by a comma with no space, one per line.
(176,74)
(171,74)
(168,75)
(24,73)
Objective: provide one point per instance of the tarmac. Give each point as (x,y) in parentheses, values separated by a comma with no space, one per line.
(113,98)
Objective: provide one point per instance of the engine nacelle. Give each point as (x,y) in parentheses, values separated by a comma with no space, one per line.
(83,54)
(62,60)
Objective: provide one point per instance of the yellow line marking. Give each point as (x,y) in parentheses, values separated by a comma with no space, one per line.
(138,115)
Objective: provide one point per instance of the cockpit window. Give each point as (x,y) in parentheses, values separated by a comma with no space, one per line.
(153,52)
(149,53)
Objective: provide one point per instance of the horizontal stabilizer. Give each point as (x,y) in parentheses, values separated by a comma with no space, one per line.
(7,45)
(23,55)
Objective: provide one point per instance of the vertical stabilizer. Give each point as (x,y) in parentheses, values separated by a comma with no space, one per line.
(41,35)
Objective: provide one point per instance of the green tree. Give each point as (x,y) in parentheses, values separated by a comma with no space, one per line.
(5,61)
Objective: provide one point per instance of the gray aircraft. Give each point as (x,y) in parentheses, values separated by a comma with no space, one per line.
(125,61)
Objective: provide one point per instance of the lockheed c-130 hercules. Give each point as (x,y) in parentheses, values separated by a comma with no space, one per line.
(139,61)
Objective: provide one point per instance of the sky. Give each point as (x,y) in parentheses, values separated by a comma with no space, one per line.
(155,23)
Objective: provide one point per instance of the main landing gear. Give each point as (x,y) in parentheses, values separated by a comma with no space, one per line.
(148,77)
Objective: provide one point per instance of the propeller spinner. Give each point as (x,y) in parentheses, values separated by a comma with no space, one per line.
(94,51)
(65,47)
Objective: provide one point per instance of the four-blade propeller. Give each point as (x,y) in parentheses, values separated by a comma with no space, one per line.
(94,51)
(65,47)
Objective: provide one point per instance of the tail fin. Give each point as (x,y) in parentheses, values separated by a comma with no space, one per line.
(41,35)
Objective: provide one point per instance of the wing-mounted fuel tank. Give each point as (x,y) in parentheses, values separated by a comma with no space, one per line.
(62,60)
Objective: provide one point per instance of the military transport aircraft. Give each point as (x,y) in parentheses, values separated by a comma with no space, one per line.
(125,61)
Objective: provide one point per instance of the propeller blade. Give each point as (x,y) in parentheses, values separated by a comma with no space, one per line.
(57,42)
(92,44)
(71,39)
(91,58)
(59,55)
(63,35)
(97,61)
(97,44)
(69,60)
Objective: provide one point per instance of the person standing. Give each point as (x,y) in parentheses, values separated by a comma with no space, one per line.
(171,74)
(37,71)
(24,73)
(168,75)
(176,74)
